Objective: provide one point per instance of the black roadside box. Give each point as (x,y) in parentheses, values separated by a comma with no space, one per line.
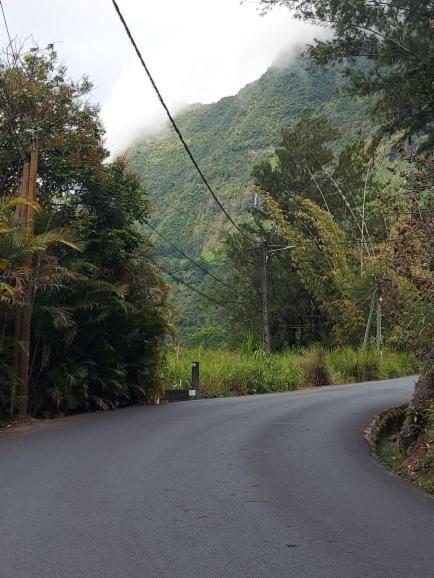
(185,394)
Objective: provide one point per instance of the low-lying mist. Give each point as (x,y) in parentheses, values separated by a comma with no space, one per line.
(200,64)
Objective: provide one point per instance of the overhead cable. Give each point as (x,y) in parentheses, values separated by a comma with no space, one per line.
(172,120)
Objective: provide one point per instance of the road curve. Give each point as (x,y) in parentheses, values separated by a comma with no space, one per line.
(273,485)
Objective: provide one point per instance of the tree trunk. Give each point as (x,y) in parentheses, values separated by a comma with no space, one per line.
(22,393)
(24,320)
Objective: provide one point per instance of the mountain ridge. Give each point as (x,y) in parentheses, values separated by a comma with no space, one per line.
(228,138)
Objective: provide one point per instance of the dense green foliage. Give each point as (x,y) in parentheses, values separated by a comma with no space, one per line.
(396,38)
(411,455)
(228,138)
(99,306)
(297,161)
(248,371)
(347,224)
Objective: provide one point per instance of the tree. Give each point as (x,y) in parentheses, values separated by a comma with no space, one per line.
(393,43)
(294,317)
(352,218)
(24,265)
(395,38)
(311,194)
(100,316)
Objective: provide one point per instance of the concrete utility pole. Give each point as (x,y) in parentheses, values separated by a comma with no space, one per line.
(376,301)
(23,319)
(371,314)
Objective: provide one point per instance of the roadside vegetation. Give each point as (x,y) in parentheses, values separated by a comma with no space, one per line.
(232,373)
(396,38)
(341,217)
(83,283)
(403,439)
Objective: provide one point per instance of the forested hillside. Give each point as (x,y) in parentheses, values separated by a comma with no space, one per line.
(228,138)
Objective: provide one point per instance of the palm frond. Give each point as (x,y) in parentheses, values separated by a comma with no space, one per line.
(68,236)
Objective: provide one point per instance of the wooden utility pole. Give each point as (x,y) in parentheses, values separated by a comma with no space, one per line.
(264,293)
(23,319)
(265,251)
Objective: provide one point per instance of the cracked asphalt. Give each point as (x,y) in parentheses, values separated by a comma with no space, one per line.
(272,485)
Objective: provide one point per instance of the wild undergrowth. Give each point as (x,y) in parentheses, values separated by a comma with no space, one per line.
(226,372)
(403,439)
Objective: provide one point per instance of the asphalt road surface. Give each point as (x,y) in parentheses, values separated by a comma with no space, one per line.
(272,485)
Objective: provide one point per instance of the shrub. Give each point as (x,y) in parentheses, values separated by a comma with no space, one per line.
(364,364)
(367,365)
(315,368)
(7,377)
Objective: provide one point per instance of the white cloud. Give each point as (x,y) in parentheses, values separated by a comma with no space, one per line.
(197,50)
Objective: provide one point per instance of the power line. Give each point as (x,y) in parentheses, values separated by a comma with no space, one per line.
(222,258)
(187,267)
(311,326)
(318,243)
(194,218)
(224,305)
(181,252)
(172,120)
(6,23)
(194,289)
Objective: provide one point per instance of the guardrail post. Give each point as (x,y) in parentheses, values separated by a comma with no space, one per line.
(194,391)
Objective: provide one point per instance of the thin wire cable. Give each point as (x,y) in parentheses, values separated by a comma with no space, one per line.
(172,120)
(6,23)
(181,252)
(194,217)
(224,305)
(187,267)
(194,289)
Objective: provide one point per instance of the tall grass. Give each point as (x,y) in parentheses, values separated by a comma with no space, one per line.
(351,365)
(230,373)
(225,373)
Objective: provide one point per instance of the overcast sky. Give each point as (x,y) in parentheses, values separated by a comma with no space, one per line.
(197,50)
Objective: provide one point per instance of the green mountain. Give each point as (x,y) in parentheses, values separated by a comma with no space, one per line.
(228,138)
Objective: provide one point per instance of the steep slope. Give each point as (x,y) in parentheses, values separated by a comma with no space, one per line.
(228,138)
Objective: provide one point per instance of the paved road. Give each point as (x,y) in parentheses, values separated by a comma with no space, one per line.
(275,485)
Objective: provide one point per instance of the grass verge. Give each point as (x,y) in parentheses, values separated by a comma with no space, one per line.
(230,373)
